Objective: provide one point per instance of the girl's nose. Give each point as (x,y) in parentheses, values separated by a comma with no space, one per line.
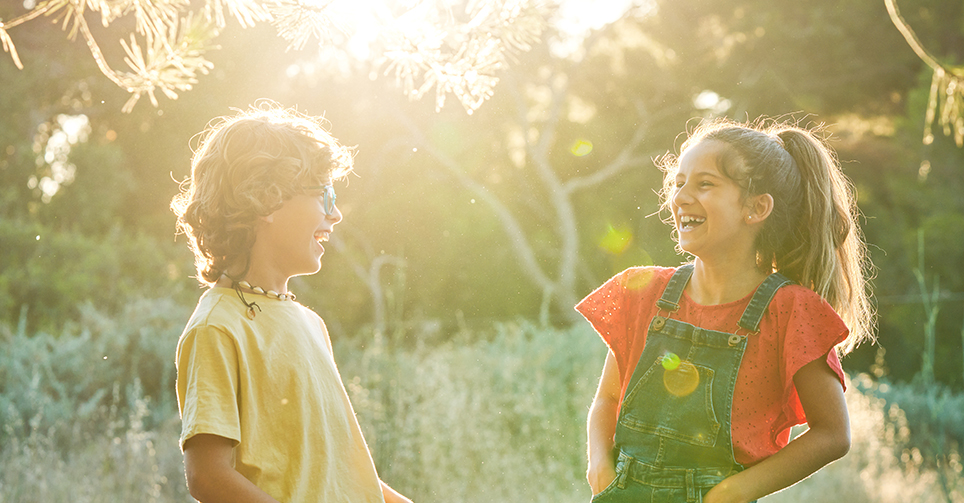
(682,196)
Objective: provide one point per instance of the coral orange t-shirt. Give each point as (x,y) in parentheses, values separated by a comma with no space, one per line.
(798,327)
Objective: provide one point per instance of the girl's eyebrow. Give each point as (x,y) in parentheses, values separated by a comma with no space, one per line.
(701,173)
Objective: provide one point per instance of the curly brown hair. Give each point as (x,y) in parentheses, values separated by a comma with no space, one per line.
(245,167)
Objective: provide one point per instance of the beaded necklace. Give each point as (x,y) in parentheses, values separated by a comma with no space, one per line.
(238,285)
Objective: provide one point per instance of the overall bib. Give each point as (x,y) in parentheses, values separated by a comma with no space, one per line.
(673,430)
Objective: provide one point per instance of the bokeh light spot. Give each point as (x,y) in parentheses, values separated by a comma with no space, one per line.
(615,241)
(637,279)
(682,380)
(581,147)
(670,361)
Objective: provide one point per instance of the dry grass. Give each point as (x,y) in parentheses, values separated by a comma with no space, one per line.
(494,417)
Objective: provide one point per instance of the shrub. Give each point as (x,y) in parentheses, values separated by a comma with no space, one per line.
(491,418)
(481,416)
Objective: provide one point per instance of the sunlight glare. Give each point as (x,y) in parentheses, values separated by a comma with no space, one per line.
(69,131)
(616,240)
(577,18)
(711,102)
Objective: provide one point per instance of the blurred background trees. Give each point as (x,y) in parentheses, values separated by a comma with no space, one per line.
(467,236)
(515,210)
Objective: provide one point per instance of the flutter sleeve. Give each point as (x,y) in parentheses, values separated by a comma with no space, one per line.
(813,328)
(613,309)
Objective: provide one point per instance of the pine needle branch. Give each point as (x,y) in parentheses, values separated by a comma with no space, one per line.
(946,100)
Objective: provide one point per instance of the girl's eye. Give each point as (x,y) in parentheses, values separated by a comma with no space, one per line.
(706,184)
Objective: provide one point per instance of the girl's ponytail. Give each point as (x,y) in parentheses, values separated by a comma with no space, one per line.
(828,252)
(811,235)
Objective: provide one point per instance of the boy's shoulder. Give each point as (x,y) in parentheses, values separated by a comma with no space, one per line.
(213,310)
(220,309)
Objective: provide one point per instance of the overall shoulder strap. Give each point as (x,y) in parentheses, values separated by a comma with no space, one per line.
(674,289)
(761,300)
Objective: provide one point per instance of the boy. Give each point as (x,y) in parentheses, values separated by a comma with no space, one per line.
(265,417)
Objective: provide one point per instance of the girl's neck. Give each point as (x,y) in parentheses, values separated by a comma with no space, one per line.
(719,284)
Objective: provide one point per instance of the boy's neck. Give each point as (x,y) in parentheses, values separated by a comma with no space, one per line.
(257,278)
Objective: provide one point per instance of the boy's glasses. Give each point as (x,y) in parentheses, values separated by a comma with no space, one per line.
(328,193)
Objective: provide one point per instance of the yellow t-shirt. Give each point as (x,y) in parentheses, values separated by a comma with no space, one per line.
(271,385)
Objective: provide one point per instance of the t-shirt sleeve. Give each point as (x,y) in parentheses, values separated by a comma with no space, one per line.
(207,384)
(813,329)
(613,308)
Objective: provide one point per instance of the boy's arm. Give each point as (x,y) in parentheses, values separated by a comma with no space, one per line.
(391,495)
(211,478)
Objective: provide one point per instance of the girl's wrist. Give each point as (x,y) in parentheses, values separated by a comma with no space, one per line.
(726,492)
(602,457)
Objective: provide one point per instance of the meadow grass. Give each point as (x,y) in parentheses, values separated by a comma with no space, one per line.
(494,415)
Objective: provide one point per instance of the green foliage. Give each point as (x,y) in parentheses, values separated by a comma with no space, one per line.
(926,422)
(888,460)
(494,417)
(89,415)
(59,383)
(48,273)
(478,416)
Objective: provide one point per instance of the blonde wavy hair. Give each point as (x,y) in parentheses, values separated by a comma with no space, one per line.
(812,235)
(245,167)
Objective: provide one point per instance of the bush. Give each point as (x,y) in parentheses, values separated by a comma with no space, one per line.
(501,418)
(883,465)
(48,381)
(481,416)
(53,272)
(78,425)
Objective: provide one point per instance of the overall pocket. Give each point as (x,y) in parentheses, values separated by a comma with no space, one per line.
(673,399)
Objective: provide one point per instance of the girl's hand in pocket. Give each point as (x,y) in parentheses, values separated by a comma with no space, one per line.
(600,477)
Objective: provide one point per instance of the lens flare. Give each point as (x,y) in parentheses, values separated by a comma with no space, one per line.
(637,279)
(671,361)
(681,380)
(616,240)
(581,147)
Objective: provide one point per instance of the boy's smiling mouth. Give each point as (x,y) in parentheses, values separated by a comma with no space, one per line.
(322,237)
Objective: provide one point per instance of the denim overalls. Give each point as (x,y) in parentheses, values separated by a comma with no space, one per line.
(673,430)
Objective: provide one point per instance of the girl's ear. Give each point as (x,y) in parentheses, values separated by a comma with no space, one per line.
(759,208)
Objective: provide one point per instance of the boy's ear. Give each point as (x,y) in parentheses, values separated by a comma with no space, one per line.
(759,208)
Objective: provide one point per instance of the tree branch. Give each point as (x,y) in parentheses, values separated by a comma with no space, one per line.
(517,238)
(910,36)
(624,159)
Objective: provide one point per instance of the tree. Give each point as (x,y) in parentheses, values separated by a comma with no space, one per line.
(947,85)
(430,44)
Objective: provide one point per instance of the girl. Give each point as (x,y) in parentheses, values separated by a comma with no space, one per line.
(712,363)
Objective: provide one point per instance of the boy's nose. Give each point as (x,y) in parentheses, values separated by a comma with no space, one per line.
(335,216)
